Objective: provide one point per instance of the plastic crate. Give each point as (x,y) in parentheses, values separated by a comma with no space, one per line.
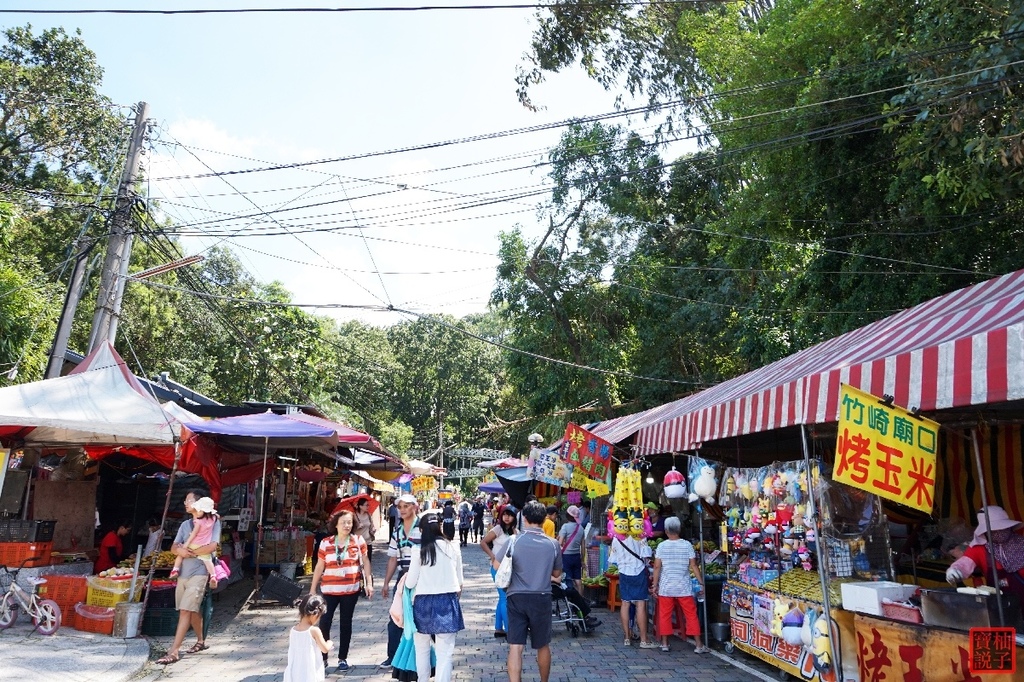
(904,611)
(43,531)
(13,553)
(280,588)
(66,590)
(16,530)
(97,619)
(161,597)
(109,593)
(160,622)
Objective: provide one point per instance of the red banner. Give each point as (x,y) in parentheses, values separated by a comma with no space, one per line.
(588,452)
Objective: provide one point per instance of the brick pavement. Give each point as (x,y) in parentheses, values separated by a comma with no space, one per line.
(251,644)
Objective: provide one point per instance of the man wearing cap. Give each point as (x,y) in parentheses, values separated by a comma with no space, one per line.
(536,562)
(404,539)
(1008,547)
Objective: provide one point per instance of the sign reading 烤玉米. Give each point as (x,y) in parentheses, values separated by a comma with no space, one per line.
(885,450)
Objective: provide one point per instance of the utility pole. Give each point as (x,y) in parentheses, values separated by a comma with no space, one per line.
(119,243)
(67,314)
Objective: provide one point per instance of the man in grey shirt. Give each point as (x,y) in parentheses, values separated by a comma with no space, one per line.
(536,561)
(191,588)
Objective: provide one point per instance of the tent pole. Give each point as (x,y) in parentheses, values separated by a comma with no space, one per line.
(163,521)
(988,526)
(259,518)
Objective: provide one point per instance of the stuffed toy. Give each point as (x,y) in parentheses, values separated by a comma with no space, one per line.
(820,647)
(792,624)
(675,485)
(705,485)
(779,611)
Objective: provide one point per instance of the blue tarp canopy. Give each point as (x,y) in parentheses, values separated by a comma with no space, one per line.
(254,432)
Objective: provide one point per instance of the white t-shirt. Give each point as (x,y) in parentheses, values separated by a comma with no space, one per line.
(621,557)
(675,556)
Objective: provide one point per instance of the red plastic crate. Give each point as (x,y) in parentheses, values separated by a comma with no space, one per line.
(13,553)
(903,611)
(66,590)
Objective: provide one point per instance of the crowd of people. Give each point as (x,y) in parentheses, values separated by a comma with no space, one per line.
(424,578)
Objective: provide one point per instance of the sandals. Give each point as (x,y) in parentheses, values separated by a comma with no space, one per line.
(197,647)
(168,659)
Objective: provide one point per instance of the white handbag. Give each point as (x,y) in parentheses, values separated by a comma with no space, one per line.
(503,576)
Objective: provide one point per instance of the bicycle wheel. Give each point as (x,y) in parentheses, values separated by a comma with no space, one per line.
(49,617)
(8,612)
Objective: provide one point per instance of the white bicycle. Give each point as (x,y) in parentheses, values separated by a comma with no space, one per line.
(45,613)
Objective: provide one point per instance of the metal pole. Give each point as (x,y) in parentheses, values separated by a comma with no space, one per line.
(259,516)
(988,526)
(822,566)
(163,518)
(703,571)
(119,242)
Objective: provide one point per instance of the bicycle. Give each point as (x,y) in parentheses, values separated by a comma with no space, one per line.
(45,613)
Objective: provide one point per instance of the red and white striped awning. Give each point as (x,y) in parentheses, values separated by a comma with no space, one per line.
(963,348)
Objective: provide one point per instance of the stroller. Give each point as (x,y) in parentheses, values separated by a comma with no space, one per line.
(564,611)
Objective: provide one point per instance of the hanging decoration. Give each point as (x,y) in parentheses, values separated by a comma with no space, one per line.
(627,515)
(703,483)
(675,484)
(589,452)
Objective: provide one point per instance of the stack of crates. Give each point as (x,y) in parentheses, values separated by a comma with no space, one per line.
(21,540)
(66,590)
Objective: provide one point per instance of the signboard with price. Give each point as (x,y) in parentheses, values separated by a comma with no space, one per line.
(885,450)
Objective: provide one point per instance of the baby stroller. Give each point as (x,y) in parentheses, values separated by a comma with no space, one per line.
(564,611)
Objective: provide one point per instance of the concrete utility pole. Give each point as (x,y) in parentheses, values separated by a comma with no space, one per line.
(119,243)
(67,315)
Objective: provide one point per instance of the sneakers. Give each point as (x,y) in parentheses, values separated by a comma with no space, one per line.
(626,642)
(343,666)
(664,647)
(386,663)
(648,645)
(592,622)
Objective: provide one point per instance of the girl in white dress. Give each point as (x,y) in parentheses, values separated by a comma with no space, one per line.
(306,644)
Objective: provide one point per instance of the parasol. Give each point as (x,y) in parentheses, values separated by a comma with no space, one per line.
(351,502)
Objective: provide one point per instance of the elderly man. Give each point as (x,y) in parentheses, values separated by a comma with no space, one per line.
(536,562)
(400,547)
(192,581)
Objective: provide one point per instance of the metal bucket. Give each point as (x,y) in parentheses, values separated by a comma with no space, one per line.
(287,569)
(719,632)
(127,619)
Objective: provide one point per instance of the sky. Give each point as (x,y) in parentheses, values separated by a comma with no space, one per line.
(417,230)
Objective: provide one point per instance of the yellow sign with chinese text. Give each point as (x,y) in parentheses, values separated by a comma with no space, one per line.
(885,450)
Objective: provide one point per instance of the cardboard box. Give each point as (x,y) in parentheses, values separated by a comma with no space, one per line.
(867,597)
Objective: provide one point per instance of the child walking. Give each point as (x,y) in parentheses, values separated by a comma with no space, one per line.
(204,516)
(306,645)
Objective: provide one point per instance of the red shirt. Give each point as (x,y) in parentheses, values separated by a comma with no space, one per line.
(111,541)
(341,577)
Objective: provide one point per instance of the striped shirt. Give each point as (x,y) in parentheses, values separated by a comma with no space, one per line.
(675,558)
(342,564)
(402,545)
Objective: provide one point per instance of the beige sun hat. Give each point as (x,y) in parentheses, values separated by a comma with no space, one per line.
(205,505)
(1000,521)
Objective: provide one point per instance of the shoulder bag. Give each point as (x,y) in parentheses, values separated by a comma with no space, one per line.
(503,576)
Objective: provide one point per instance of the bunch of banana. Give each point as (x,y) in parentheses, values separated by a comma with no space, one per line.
(162,559)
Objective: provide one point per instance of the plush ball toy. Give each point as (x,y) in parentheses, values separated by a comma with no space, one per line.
(705,485)
(675,484)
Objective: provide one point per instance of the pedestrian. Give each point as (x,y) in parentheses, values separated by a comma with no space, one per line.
(191,588)
(155,538)
(536,563)
(631,556)
(112,547)
(204,517)
(674,561)
(494,545)
(570,537)
(341,559)
(465,521)
(478,520)
(404,540)
(306,642)
(549,521)
(365,526)
(435,573)
(578,601)
(392,518)
(448,520)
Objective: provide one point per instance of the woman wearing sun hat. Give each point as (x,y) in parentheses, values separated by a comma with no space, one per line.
(1007,546)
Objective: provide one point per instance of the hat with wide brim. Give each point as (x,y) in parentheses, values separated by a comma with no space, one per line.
(1000,521)
(573,511)
(205,505)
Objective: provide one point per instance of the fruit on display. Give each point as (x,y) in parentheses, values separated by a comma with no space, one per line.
(117,573)
(599,581)
(164,559)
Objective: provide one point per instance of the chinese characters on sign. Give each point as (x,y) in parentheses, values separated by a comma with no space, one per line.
(422,484)
(590,453)
(885,450)
(993,650)
(548,468)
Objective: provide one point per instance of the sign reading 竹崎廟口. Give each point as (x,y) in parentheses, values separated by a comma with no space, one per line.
(885,450)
